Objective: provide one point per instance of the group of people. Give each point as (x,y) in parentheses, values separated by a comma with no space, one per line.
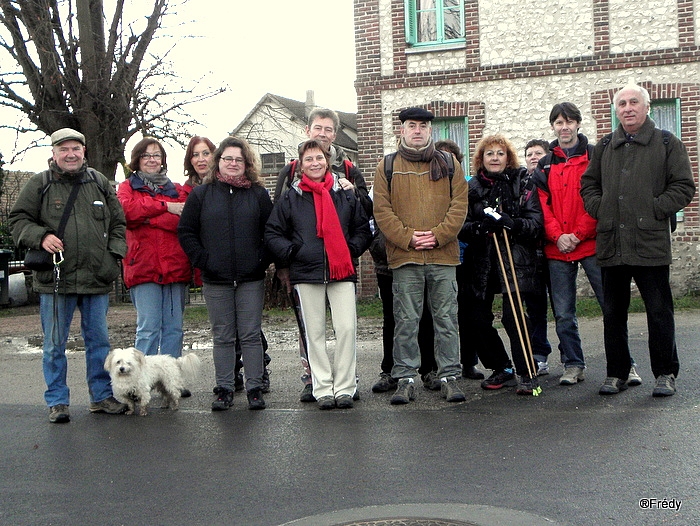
(443,247)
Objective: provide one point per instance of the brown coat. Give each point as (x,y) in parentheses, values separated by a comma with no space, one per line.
(417,203)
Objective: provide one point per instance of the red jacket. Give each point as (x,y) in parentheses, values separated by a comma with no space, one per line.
(559,184)
(154,254)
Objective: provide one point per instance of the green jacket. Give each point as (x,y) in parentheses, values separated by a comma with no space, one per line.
(632,188)
(95,235)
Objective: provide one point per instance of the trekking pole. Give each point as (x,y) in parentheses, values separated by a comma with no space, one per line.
(528,352)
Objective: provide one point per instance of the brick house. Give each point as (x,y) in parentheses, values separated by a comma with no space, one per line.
(500,65)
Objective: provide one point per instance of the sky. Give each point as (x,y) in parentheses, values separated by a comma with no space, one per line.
(284,47)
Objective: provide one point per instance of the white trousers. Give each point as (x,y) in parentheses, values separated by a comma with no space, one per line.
(333,374)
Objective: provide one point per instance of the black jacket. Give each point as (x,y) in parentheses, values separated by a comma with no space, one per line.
(221,231)
(290,234)
(506,192)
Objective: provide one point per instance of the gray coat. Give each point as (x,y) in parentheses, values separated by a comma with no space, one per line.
(633,188)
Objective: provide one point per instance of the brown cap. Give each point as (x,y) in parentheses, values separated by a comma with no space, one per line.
(67,134)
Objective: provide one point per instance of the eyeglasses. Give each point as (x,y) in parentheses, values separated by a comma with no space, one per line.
(197,155)
(146,156)
(237,160)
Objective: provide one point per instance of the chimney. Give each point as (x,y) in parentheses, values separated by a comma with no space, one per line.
(309,105)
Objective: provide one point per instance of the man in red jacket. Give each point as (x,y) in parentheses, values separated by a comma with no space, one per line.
(569,234)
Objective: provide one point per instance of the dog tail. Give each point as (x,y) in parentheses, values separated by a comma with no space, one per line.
(189,365)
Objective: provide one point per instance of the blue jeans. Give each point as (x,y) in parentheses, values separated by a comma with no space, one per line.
(409,286)
(159,314)
(562,275)
(93,326)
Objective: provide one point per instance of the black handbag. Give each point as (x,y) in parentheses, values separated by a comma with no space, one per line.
(40,260)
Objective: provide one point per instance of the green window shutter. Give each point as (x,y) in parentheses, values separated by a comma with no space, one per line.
(410,21)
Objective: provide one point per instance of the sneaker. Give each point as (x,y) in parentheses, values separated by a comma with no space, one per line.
(472,373)
(265,381)
(307,394)
(238,383)
(224,399)
(572,376)
(450,391)
(526,386)
(344,402)
(612,385)
(110,405)
(58,414)
(665,385)
(326,402)
(185,393)
(431,381)
(384,384)
(405,392)
(634,379)
(499,380)
(255,399)
(542,368)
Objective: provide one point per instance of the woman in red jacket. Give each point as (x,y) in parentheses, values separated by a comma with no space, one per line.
(156,269)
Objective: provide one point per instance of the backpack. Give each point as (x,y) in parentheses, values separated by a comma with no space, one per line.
(666,136)
(389,167)
(47,181)
(347,164)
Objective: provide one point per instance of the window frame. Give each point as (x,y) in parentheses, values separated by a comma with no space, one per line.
(442,127)
(411,24)
(276,156)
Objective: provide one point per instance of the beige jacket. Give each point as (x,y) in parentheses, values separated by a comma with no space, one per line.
(417,203)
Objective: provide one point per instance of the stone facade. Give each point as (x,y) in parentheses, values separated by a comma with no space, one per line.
(520,57)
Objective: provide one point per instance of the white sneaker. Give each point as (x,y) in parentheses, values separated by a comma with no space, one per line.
(634,378)
(571,376)
(542,368)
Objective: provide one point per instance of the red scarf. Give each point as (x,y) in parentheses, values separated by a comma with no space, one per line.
(328,226)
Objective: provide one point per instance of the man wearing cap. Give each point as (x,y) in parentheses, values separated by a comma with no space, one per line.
(93,242)
(420,211)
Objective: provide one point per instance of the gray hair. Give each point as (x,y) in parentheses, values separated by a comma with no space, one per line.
(634,87)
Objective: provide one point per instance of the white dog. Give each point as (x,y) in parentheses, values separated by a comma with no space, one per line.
(134,375)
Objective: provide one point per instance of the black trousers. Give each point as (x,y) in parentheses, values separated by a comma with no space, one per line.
(655,289)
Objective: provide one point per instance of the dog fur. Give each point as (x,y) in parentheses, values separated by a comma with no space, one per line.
(134,375)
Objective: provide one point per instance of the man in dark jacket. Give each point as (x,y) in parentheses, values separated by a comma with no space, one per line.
(636,181)
(93,242)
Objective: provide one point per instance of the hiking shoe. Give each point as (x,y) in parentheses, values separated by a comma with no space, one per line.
(572,376)
(58,414)
(634,379)
(472,373)
(405,392)
(110,405)
(185,393)
(344,402)
(326,402)
(356,395)
(542,368)
(431,381)
(665,385)
(612,385)
(450,391)
(499,379)
(384,384)
(526,386)
(238,383)
(223,400)
(255,399)
(265,381)
(307,394)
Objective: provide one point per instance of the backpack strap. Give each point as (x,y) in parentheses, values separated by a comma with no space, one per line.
(290,178)
(389,167)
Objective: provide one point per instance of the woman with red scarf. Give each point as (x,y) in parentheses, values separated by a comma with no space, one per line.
(316,229)
(221,231)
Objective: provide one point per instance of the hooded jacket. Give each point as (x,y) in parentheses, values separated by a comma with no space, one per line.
(94,237)
(558,180)
(632,186)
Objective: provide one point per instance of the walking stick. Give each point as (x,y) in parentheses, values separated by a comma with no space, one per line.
(536,388)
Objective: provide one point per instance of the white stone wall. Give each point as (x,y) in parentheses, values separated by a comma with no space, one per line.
(386,38)
(636,28)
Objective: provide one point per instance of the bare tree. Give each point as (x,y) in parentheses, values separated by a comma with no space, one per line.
(77,69)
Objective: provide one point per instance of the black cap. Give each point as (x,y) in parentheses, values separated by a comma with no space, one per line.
(416,114)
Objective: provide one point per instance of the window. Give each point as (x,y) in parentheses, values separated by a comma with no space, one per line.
(430,22)
(455,130)
(272,162)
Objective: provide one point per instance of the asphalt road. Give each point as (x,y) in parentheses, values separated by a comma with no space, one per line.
(568,456)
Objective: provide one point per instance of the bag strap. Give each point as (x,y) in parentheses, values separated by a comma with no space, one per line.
(67,209)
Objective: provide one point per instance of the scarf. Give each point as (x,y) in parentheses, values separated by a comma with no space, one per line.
(328,226)
(239,181)
(438,165)
(154,181)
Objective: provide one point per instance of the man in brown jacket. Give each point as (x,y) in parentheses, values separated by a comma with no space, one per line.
(420,210)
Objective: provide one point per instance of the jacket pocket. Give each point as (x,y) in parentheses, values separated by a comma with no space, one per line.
(653,239)
(109,270)
(606,239)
